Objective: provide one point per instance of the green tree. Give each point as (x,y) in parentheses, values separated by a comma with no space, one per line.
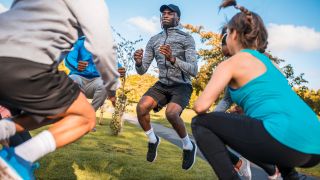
(125,51)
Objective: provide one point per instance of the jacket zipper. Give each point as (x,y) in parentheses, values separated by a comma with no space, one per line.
(165,60)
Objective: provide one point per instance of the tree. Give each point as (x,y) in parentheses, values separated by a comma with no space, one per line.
(125,51)
(211,56)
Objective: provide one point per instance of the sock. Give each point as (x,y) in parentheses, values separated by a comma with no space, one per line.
(151,136)
(186,143)
(37,147)
(7,129)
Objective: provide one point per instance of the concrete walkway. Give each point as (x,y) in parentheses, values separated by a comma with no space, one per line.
(171,136)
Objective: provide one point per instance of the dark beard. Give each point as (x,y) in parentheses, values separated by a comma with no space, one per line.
(169,25)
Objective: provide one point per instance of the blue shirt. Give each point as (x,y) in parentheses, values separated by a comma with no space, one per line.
(80,53)
(285,115)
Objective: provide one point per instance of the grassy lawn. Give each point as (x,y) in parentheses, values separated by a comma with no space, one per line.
(100,155)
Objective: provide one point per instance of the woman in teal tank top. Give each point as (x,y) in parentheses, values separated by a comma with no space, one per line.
(278,126)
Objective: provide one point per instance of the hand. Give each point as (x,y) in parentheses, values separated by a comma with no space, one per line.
(167,52)
(82,65)
(113,100)
(138,55)
(236,109)
(4,112)
(122,71)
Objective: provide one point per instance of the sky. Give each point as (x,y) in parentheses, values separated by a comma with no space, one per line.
(293,25)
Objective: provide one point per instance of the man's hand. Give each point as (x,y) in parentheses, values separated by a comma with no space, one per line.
(82,65)
(167,52)
(138,55)
(122,71)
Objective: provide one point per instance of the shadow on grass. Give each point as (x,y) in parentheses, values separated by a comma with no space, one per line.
(99,155)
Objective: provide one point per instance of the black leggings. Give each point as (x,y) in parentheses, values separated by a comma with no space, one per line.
(213,131)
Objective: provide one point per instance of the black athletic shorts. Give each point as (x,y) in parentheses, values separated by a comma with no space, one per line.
(163,94)
(35,88)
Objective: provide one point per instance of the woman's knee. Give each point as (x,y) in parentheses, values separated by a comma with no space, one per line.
(194,122)
(197,124)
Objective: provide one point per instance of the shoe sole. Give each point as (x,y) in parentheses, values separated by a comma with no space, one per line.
(7,173)
(194,156)
(156,151)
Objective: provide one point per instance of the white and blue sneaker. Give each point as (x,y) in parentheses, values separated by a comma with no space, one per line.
(244,171)
(14,167)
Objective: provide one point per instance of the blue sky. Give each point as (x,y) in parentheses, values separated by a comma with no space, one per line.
(293,25)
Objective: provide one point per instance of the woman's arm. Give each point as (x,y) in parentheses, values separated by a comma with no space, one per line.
(219,80)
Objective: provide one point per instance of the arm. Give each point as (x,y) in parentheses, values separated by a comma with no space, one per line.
(93,18)
(225,103)
(147,58)
(219,80)
(190,66)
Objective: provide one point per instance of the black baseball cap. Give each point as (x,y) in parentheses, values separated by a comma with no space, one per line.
(172,7)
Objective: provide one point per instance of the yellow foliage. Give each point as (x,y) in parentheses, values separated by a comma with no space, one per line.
(137,85)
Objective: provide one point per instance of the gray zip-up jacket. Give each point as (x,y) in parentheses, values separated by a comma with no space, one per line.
(183,48)
(43,31)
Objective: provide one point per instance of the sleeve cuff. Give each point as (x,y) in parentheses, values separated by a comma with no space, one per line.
(177,63)
(139,68)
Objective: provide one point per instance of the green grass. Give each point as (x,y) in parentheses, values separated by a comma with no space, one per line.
(100,155)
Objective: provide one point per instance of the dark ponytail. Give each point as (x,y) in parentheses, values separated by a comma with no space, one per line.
(249,26)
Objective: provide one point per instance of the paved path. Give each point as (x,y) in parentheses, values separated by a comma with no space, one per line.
(171,136)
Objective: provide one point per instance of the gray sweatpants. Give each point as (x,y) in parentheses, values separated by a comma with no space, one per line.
(92,88)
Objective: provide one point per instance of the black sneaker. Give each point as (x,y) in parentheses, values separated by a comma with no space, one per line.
(152,150)
(295,176)
(189,157)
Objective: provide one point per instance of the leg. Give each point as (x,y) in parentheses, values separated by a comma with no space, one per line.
(143,108)
(245,135)
(149,101)
(78,119)
(215,152)
(46,93)
(292,174)
(77,79)
(173,112)
(94,89)
(145,105)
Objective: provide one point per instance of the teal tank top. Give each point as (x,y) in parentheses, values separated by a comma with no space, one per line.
(284,114)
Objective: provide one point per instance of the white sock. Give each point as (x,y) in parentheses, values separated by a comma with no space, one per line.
(186,143)
(37,147)
(151,136)
(7,129)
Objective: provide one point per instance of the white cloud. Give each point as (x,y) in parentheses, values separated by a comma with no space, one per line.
(2,8)
(150,26)
(293,38)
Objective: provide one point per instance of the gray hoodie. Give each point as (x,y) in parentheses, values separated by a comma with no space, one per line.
(183,48)
(43,31)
